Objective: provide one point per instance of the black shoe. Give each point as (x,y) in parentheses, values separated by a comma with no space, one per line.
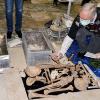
(9,35)
(19,33)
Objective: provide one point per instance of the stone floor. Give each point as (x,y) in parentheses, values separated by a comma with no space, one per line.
(36,14)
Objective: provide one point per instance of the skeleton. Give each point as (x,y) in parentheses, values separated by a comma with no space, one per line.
(58,77)
(54,75)
(58,84)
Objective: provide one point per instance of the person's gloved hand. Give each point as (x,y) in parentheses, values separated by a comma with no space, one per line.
(97,55)
(56,56)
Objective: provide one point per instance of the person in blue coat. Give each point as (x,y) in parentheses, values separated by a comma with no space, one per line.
(83,39)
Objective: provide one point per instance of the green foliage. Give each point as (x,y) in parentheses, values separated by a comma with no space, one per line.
(95,63)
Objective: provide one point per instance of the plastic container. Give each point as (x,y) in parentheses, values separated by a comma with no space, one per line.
(34,57)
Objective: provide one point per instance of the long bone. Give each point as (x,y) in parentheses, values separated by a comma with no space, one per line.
(61,83)
(46,92)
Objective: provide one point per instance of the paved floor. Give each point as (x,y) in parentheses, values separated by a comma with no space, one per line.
(11,85)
